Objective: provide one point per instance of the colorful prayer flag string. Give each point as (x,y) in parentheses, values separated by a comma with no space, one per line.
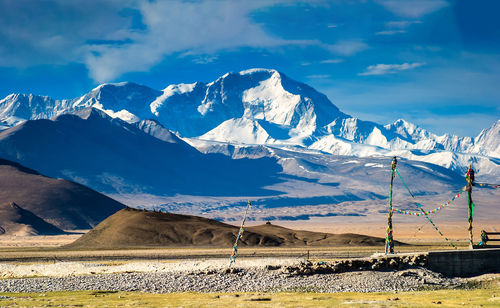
(487,185)
(423,212)
(433,211)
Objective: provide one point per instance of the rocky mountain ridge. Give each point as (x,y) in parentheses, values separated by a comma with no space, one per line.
(265,107)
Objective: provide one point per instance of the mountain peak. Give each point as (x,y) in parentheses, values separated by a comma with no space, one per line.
(179,88)
(259,70)
(89,113)
(117,85)
(257,105)
(404,123)
(256,73)
(284,108)
(22,96)
(408,130)
(488,140)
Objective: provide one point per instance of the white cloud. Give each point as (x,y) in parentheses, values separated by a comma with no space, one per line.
(347,47)
(397,27)
(204,59)
(427,48)
(332,61)
(318,76)
(383,69)
(413,8)
(178,27)
(52,32)
(114,37)
(390,32)
(462,88)
(401,24)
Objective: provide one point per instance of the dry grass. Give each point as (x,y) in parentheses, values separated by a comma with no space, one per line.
(31,254)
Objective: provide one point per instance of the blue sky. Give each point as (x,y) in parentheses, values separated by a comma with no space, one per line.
(432,62)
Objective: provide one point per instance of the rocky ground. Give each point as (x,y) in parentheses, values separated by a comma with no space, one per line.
(252,280)
(262,275)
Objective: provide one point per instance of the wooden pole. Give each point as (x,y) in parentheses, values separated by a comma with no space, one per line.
(469,176)
(234,254)
(389,243)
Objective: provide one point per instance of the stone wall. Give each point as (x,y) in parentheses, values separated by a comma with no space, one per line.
(463,263)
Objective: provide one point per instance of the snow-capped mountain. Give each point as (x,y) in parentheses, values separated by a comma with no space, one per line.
(488,141)
(113,156)
(265,107)
(17,108)
(253,105)
(144,164)
(125,100)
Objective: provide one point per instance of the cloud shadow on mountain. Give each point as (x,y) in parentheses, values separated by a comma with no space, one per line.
(112,156)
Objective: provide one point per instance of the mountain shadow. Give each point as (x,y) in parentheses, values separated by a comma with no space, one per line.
(61,203)
(15,220)
(112,156)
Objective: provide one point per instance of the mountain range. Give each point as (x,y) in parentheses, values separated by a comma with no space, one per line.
(113,156)
(265,107)
(203,147)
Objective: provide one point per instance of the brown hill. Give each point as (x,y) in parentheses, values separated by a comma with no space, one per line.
(65,204)
(290,237)
(140,228)
(15,220)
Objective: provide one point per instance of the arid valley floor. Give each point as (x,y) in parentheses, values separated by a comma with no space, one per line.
(35,271)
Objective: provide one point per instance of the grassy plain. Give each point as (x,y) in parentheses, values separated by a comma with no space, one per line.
(485,294)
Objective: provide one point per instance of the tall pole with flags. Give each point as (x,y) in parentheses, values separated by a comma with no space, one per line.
(234,254)
(389,243)
(469,176)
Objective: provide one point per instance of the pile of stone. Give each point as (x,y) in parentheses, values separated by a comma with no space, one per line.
(245,280)
(341,266)
(376,274)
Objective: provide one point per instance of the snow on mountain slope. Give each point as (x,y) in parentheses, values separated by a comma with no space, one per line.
(316,186)
(264,106)
(488,141)
(127,101)
(486,166)
(143,164)
(260,105)
(240,130)
(16,108)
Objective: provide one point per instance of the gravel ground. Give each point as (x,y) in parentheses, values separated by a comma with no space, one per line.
(63,269)
(212,276)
